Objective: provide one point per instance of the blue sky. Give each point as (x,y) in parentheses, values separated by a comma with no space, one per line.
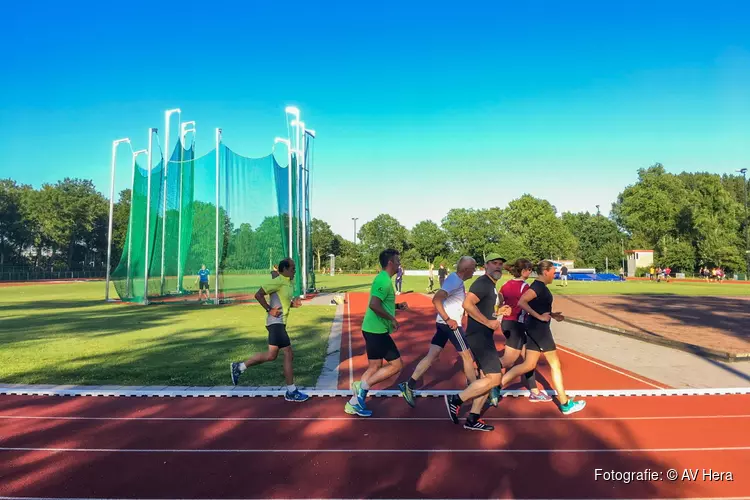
(418,107)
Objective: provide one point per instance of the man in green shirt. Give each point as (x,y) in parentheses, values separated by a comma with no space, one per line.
(280,290)
(379,322)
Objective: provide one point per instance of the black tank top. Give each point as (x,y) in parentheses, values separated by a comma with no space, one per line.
(542,303)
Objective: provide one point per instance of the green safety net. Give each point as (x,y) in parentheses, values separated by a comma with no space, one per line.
(248,235)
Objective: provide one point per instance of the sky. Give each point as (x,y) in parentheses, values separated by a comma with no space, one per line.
(418,107)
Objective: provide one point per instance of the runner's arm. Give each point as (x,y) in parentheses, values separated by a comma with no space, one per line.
(437,301)
(377,307)
(523,302)
(470,306)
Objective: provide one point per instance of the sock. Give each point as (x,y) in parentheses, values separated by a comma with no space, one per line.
(457,399)
(365,387)
(354,401)
(411,383)
(242,367)
(473,417)
(291,388)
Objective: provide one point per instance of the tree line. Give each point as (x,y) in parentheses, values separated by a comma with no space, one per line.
(690,220)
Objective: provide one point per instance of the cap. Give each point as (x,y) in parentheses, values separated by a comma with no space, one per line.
(494,256)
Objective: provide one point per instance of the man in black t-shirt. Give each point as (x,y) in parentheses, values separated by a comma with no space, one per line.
(480,304)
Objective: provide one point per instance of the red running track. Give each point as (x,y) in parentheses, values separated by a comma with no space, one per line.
(417,326)
(79,447)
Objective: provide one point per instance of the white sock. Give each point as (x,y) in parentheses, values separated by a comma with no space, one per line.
(291,388)
(242,367)
(365,386)
(354,401)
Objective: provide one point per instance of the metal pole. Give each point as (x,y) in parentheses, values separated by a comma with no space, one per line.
(151,133)
(167,115)
(130,220)
(287,142)
(111,209)
(183,132)
(216,248)
(355,229)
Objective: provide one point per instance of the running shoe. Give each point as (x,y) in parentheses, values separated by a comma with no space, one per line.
(408,394)
(453,407)
(357,410)
(296,396)
(234,369)
(539,397)
(478,425)
(494,398)
(359,393)
(572,406)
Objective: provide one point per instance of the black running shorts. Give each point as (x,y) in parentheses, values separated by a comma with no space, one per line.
(381,346)
(515,334)
(539,337)
(482,345)
(277,335)
(444,334)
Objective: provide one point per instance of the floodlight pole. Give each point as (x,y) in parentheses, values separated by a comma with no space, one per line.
(183,132)
(112,207)
(301,201)
(130,219)
(287,142)
(151,133)
(216,248)
(743,171)
(167,115)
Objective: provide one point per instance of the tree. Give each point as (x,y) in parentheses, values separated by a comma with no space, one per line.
(429,240)
(384,231)
(322,238)
(595,233)
(536,223)
(13,233)
(473,232)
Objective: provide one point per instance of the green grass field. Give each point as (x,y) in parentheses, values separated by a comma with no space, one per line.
(66,334)
(419,284)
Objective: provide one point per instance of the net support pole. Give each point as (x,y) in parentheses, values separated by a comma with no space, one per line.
(130,221)
(288,145)
(167,116)
(216,246)
(111,209)
(183,132)
(151,133)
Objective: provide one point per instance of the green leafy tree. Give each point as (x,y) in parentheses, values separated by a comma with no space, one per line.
(536,223)
(429,241)
(322,239)
(384,231)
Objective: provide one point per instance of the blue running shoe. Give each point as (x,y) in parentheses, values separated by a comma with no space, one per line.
(408,394)
(296,396)
(234,369)
(357,410)
(359,393)
(572,406)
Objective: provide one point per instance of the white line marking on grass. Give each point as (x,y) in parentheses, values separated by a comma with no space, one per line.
(607,367)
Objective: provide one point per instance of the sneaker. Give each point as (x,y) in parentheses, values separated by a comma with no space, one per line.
(539,397)
(296,396)
(453,407)
(572,406)
(357,410)
(494,398)
(359,393)
(478,425)
(234,369)
(408,394)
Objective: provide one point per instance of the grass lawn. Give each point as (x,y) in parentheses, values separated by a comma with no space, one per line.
(67,334)
(419,284)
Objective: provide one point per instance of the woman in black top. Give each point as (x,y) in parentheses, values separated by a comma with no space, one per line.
(537,302)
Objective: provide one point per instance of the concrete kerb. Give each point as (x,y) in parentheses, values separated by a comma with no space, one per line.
(675,344)
(329,374)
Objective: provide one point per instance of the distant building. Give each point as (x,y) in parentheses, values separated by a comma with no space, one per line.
(638,258)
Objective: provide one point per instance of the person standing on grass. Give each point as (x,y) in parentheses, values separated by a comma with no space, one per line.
(431,277)
(280,291)
(442,273)
(480,304)
(379,322)
(514,328)
(399,279)
(536,301)
(449,303)
(203,275)
(564,275)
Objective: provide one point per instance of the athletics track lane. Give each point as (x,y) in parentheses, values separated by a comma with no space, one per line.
(265,447)
(417,326)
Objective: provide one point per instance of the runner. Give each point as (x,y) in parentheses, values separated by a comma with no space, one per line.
(480,305)
(514,328)
(536,301)
(379,322)
(280,291)
(449,303)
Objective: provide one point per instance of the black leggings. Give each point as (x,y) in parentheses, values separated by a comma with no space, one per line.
(515,333)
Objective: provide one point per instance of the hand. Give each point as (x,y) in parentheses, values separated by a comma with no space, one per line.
(394,323)
(297,302)
(493,324)
(558,316)
(546,317)
(402,306)
(504,310)
(452,324)
(275,312)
